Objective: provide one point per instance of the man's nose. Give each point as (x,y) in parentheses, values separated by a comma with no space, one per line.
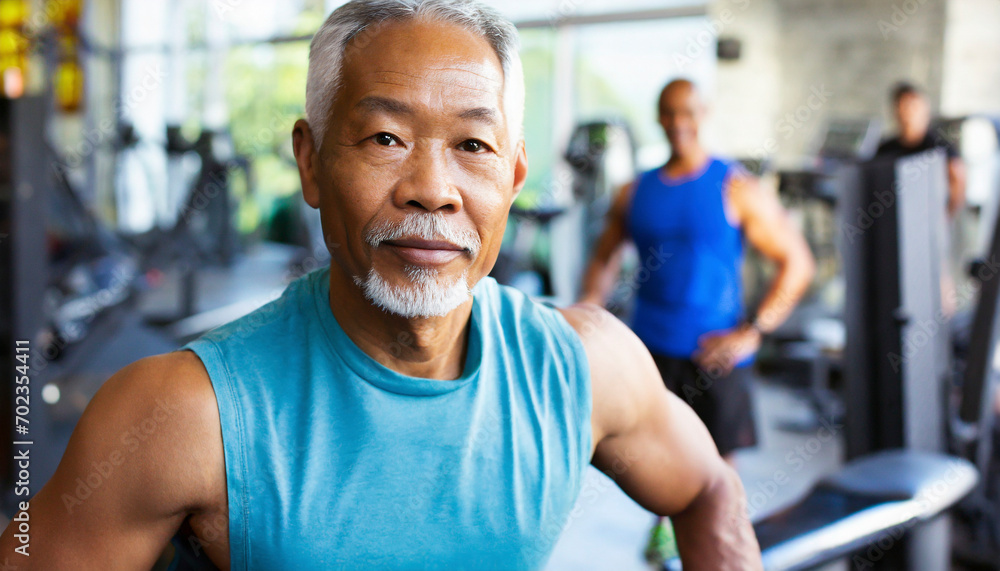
(428,185)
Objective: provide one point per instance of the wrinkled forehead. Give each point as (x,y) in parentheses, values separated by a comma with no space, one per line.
(428,62)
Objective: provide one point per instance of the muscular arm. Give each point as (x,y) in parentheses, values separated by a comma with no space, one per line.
(768,229)
(603,269)
(142,458)
(659,452)
(956,186)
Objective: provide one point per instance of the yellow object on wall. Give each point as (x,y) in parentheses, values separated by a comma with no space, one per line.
(14,46)
(67,78)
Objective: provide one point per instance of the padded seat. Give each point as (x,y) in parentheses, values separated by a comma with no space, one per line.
(886,491)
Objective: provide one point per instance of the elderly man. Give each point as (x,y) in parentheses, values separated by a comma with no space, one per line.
(399,409)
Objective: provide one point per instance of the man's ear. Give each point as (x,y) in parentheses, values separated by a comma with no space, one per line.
(520,169)
(661,123)
(307,158)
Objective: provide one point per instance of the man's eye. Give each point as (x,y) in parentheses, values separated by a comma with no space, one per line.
(385,139)
(473,146)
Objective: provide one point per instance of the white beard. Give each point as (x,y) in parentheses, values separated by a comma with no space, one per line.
(424,297)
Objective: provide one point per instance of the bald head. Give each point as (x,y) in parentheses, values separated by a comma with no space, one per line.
(681,110)
(677,91)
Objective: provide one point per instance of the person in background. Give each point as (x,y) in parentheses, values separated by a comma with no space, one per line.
(913,119)
(688,220)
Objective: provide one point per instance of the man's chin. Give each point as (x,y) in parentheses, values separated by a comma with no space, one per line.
(415,291)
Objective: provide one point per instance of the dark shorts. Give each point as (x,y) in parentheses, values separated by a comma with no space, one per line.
(722,403)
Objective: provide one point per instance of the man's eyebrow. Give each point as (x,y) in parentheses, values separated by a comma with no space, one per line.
(377,104)
(481,114)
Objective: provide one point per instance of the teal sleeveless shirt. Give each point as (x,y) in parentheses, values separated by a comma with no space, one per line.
(334,461)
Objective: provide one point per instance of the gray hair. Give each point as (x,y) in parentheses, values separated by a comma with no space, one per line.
(347,23)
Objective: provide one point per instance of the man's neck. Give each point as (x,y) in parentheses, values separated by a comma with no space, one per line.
(687,162)
(430,348)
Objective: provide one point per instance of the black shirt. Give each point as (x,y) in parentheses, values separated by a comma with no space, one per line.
(893,148)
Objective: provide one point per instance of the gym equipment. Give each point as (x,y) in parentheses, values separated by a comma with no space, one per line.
(977,519)
(897,354)
(887,508)
(203,231)
(845,141)
(793,353)
(526,261)
(867,509)
(91,268)
(602,156)
(552,235)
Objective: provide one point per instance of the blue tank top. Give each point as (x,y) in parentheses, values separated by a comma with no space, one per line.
(334,461)
(690,259)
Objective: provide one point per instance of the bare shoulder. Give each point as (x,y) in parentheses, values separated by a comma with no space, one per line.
(174,376)
(622,371)
(175,384)
(742,185)
(745,191)
(623,196)
(146,454)
(160,411)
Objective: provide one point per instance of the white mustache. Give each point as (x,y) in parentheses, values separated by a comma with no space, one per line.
(425,226)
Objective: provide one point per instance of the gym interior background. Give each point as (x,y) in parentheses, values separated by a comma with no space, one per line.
(149,194)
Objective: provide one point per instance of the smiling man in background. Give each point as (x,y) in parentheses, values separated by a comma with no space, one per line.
(400,393)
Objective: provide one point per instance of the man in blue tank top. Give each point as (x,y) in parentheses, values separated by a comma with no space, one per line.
(688,220)
(398,409)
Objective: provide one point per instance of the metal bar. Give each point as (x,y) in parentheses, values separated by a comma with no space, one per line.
(556,21)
